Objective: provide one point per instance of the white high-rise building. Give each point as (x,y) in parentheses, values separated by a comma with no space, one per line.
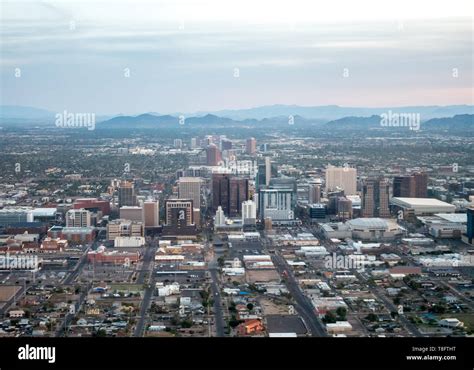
(131,213)
(190,188)
(276,204)
(178,143)
(314,193)
(78,218)
(249,212)
(220,217)
(151,213)
(343,178)
(268,170)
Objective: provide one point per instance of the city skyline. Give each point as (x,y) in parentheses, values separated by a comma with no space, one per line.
(210,169)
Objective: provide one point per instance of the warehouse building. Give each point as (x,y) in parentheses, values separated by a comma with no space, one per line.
(422,206)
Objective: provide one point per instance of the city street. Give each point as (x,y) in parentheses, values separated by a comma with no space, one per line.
(304,307)
(216,296)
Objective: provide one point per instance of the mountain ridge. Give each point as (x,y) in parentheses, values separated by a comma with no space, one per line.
(324,112)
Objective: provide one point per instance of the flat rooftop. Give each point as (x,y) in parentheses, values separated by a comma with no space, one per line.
(44,212)
(423,205)
(453,217)
(420,202)
(369,223)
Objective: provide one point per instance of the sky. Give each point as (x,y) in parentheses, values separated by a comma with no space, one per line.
(168,56)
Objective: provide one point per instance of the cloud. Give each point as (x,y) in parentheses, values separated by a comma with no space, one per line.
(284,57)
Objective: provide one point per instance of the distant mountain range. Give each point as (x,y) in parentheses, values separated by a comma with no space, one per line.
(21,112)
(147,118)
(208,119)
(322,113)
(458,122)
(333,112)
(333,116)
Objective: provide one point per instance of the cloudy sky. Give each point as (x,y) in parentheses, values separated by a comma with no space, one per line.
(124,56)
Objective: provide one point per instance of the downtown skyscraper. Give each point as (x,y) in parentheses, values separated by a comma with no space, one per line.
(229,192)
(375,198)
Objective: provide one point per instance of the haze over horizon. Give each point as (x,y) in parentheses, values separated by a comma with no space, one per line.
(205,56)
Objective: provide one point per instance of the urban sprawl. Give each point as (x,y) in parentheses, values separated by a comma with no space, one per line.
(244,232)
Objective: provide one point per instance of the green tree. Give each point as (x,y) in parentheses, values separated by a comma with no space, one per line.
(341,313)
(329,318)
(186,324)
(371,317)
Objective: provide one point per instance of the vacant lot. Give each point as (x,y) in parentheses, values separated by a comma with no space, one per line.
(262,276)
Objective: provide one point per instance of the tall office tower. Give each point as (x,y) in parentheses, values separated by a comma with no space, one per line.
(131,213)
(265,172)
(179,212)
(375,198)
(220,217)
(151,213)
(341,177)
(238,193)
(286,182)
(470,225)
(383,209)
(229,192)
(276,204)
(126,194)
(344,208)
(251,146)
(249,212)
(331,205)
(421,184)
(190,188)
(220,191)
(193,143)
(78,218)
(368,200)
(314,193)
(268,170)
(178,143)
(213,155)
(411,186)
(403,186)
(260,178)
(226,144)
